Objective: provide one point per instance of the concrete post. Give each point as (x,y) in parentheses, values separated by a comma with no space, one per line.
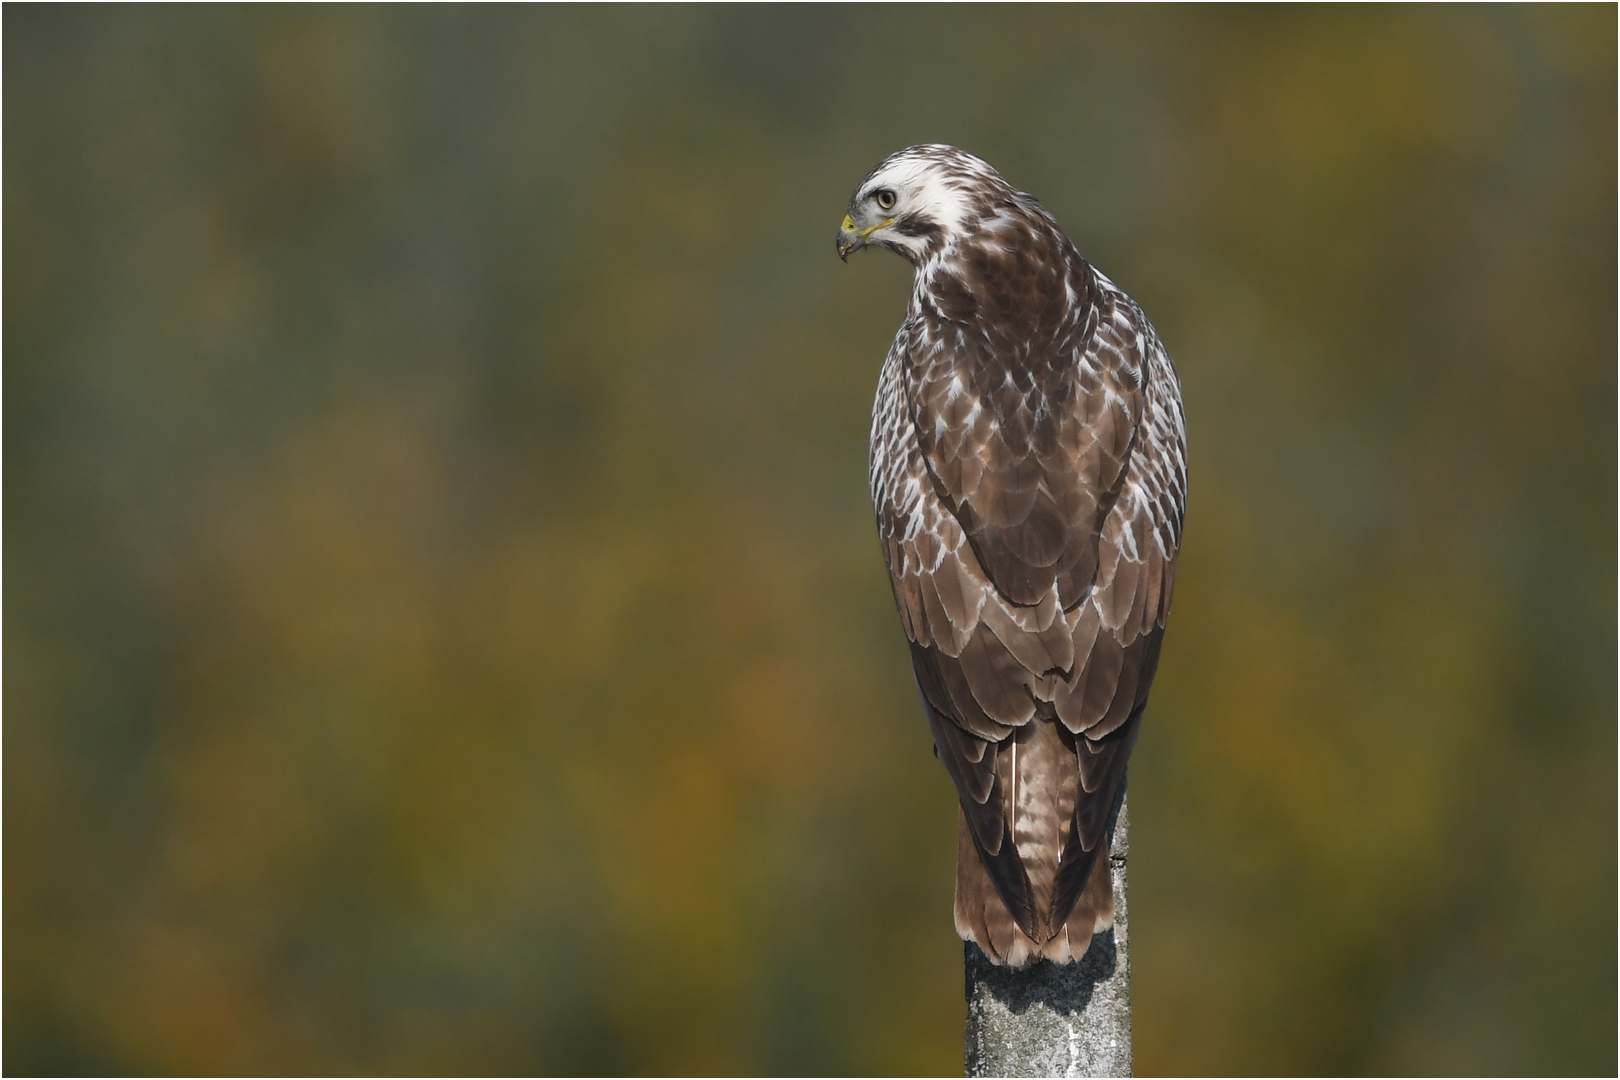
(1057,1019)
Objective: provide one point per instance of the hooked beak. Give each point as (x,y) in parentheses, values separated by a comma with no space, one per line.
(852,239)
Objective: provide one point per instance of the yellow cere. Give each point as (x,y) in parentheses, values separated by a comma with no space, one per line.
(849,227)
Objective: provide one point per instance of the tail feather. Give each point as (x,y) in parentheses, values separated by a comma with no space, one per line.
(983,919)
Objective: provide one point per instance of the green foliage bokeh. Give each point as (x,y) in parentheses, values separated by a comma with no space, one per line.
(444,629)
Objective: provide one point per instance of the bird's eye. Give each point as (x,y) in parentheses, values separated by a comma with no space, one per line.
(885,199)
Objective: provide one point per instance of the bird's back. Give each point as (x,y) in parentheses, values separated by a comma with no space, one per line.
(997,665)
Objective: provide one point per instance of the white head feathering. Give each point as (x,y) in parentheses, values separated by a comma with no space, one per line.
(933,183)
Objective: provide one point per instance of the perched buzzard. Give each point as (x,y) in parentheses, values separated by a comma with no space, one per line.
(1029,475)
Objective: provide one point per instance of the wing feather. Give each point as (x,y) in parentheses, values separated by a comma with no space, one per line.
(986,819)
(1040,651)
(1001,686)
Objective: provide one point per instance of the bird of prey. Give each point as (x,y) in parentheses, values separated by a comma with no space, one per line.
(1029,477)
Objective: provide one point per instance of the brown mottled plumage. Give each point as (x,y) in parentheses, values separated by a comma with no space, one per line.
(1029,479)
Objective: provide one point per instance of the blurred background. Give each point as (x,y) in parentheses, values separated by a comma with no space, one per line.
(444,628)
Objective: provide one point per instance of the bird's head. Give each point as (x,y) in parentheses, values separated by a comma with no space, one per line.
(919,200)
